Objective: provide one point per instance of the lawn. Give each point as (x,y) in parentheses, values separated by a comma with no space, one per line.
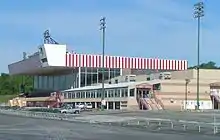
(5,98)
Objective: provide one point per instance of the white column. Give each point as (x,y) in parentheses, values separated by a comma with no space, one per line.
(107,105)
(79,77)
(121,72)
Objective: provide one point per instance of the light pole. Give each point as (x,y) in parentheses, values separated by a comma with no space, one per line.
(186,92)
(103,26)
(198,13)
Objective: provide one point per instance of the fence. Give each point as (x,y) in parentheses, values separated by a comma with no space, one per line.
(149,124)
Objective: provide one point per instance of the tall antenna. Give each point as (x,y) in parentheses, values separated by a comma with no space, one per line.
(48,39)
(24,55)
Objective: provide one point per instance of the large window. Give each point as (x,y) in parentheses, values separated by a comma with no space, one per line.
(117,92)
(132,92)
(99,93)
(124,92)
(111,93)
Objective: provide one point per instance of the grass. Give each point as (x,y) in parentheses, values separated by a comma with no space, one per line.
(5,98)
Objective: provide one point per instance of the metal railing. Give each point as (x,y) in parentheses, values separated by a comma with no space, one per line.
(149,124)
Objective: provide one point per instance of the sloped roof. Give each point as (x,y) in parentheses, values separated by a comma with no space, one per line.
(215,84)
(109,86)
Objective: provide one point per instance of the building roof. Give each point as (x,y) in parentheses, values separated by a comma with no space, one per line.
(215,84)
(38,99)
(94,61)
(109,86)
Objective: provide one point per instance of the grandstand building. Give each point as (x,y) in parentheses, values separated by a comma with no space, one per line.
(54,68)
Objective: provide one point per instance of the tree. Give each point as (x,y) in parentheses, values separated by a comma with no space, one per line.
(12,84)
(208,65)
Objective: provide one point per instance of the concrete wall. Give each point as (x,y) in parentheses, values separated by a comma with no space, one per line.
(205,74)
(26,65)
(174,90)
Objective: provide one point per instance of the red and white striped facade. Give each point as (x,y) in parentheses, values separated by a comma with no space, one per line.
(95,61)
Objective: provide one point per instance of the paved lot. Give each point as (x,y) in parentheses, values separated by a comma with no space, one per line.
(21,128)
(190,116)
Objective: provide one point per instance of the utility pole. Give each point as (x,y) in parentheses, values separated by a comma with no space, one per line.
(186,93)
(103,27)
(198,13)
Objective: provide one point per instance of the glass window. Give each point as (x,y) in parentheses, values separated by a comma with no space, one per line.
(78,95)
(106,93)
(122,92)
(82,94)
(126,92)
(93,94)
(69,95)
(99,94)
(65,95)
(88,79)
(35,82)
(117,92)
(111,93)
(74,95)
(87,94)
(82,82)
(132,92)
(94,78)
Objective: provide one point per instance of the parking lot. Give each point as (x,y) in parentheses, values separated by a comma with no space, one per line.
(23,128)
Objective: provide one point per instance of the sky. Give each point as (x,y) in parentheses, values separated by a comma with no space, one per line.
(162,29)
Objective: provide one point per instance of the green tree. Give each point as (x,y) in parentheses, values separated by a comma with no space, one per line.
(12,84)
(208,65)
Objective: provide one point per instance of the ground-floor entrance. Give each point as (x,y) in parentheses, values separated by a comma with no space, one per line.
(111,105)
(142,94)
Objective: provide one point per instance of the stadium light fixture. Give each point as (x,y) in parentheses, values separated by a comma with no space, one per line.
(198,13)
(103,27)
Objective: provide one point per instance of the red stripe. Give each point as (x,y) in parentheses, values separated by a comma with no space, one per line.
(125,60)
(139,63)
(82,61)
(106,62)
(122,62)
(88,61)
(96,61)
(73,63)
(147,64)
(99,62)
(92,61)
(116,63)
(66,60)
(77,60)
(128,60)
(167,64)
(113,62)
(109,62)
(152,63)
(155,64)
(69,55)
(132,63)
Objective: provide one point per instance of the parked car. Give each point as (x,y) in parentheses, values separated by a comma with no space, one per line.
(89,106)
(70,110)
(81,106)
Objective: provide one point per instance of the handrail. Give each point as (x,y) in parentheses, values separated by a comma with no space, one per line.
(158,100)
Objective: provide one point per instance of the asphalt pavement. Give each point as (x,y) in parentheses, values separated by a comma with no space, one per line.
(23,128)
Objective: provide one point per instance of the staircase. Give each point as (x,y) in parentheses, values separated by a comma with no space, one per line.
(158,106)
(149,104)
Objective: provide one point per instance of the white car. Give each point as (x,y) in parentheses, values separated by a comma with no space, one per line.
(70,111)
(89,106)
(81,106)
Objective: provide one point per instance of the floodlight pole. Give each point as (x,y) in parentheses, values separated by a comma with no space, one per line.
(103,26)
(198,13)
(186,92)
